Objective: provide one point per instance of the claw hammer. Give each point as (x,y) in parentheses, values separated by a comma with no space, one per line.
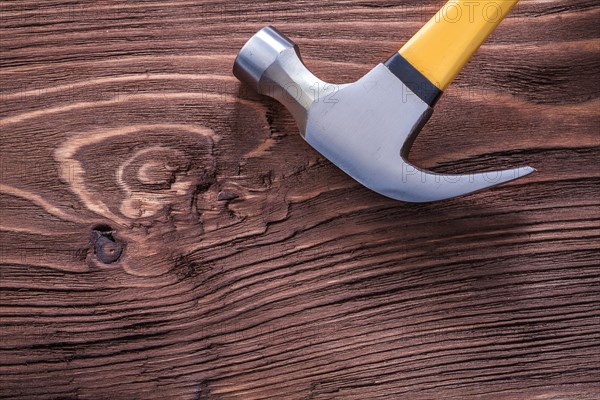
(367,128)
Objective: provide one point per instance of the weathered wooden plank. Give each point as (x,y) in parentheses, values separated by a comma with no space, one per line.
(246,265)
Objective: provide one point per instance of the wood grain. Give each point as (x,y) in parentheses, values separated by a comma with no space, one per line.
(167,234)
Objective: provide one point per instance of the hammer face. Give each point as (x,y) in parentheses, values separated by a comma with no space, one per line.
(271,64)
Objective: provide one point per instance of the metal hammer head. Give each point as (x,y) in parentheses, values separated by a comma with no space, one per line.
(365,128)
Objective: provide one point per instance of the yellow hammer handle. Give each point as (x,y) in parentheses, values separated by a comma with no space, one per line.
(446,43)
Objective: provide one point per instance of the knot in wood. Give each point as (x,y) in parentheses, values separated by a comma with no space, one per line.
(106,248)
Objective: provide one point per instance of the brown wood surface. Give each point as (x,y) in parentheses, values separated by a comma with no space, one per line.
(167,234)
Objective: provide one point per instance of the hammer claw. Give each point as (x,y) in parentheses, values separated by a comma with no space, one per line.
(417,185)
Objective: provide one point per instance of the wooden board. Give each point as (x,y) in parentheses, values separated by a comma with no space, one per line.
(167,234)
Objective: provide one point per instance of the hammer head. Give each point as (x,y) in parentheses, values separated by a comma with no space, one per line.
(366,128)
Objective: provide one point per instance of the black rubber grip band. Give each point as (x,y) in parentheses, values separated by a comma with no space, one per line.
(413,79)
